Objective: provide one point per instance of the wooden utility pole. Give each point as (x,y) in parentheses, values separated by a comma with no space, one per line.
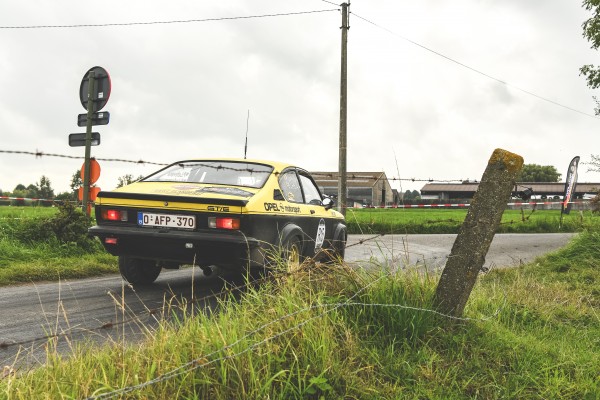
(476,233)
(343,178)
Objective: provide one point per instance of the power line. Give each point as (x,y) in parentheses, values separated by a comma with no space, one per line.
(437,53)
(182,21)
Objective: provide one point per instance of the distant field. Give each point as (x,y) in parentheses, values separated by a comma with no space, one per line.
(11,212)
(428,220)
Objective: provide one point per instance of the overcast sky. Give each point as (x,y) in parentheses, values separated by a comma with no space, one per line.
(183,90)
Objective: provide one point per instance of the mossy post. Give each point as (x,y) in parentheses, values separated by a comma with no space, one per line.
(476,233)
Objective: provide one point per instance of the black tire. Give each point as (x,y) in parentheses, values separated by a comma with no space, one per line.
(338,248)
(138,271)
(291,254)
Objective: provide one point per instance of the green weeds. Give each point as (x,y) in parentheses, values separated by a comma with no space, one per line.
(334,332)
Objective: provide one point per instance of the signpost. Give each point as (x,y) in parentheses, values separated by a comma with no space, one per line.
(94,92)
(98,118)
(78,139)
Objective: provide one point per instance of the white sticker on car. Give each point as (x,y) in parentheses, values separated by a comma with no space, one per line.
(320,235)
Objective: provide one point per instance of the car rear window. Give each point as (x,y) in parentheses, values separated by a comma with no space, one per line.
(214,172)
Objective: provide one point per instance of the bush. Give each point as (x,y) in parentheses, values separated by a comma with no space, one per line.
(34,230)
(68,226)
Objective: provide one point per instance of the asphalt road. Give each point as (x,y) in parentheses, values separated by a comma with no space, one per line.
(103,309)
(431,251)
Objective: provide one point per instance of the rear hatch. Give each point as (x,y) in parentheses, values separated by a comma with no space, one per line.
(170,204)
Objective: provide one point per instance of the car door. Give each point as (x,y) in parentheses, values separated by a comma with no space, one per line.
(320,226)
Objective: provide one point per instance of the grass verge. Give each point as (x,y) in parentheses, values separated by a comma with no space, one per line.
(48,243)
(531,333)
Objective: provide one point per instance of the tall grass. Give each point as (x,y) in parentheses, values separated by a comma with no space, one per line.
(333,332)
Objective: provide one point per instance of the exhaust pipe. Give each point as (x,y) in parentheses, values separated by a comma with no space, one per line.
(207,270)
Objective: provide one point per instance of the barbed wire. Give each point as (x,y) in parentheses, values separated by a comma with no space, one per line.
(315,175)
(353,176)
(274,274)
(204,360)
(135,318)
(103,326)
(40,154)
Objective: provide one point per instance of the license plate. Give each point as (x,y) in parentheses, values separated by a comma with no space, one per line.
(166,220)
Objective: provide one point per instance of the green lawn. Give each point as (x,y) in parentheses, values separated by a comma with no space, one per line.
(432,220)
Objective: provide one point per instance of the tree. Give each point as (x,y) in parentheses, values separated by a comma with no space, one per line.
(591,31)
(538,173)
(416,195)
(127,180)
(76,181)
(32,191)
(45,190)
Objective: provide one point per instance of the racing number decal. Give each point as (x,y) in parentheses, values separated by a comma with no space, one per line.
(320,235)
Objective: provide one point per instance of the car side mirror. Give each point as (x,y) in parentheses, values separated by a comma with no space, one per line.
(277,195)
(328,203)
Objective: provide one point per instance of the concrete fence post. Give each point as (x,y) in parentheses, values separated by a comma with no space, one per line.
(476,233)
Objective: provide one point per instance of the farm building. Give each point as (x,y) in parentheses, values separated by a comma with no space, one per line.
(541,190)
(364,188)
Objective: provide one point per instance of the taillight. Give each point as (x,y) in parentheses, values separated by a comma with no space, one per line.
(223,223)
(114,215)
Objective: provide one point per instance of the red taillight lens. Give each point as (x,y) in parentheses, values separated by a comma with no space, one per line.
(114,215)
(223,223)
(228,223)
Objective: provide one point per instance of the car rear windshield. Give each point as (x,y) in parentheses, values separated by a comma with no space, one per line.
(214,172)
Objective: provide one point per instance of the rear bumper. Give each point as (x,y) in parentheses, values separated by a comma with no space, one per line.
(226,249)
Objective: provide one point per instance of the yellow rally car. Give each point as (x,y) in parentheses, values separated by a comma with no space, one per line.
(229,213)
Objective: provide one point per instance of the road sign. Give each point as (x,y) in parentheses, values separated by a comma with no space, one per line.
(78,139)
(92,194)
(94,170)
(98,118)
(102,89)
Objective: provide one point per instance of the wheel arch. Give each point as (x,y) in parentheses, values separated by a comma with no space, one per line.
(340,229)
(290,230)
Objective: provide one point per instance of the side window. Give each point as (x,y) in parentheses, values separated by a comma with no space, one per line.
(290,186)
(311,192)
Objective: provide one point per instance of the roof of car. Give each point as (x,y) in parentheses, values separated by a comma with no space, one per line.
(277,165)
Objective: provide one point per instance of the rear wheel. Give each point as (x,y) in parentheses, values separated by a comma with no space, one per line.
(138,271)
(338,248)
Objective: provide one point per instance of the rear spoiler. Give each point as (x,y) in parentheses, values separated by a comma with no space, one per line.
(181,199)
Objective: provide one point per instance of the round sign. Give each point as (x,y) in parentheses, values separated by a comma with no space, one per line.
(102,88)
(94,171)
(92,194)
